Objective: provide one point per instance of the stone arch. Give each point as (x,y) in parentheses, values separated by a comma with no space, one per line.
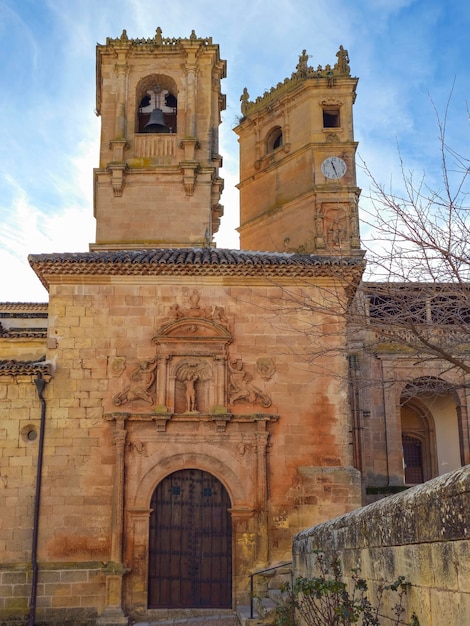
(418,442)
(431,421)
(167,101)
(167,464)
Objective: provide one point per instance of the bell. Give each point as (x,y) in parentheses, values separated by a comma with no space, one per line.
(156,123)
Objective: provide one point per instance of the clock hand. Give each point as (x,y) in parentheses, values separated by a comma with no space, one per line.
(334,168)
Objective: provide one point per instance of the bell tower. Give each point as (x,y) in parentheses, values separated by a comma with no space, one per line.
(158,184)
(298,189)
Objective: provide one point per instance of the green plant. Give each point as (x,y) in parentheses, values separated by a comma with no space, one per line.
(326,600)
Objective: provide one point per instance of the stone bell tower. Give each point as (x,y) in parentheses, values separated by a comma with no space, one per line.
(298,189)
(158,184)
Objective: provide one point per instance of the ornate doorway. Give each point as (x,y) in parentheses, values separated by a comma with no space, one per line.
(190,543)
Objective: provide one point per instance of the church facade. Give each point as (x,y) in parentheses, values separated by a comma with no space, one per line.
(165,428)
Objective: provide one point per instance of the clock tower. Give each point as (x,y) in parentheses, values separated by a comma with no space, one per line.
(298,190)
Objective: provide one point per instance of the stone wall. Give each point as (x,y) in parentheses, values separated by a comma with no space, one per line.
(68,594)
(422,534)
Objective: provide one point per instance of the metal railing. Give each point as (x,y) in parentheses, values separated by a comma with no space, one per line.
(259,573)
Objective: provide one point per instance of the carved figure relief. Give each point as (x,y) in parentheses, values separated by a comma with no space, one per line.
(138,447)
(242,389)
(142,380)
(307,247)
(336,227)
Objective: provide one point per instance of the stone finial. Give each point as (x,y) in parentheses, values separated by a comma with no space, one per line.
(158,36)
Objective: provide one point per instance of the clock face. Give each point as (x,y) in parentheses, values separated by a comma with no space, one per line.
(333,167)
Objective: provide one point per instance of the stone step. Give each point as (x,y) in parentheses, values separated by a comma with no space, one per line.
(200,620)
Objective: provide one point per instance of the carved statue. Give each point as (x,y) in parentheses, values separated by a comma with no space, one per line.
(174,312)
(342,65)
(241,387)
(189,373)
(244,101)
(191,391)
(302,66)
(218,315)
(143,377)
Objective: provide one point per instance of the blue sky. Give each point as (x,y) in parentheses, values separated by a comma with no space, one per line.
(405,53)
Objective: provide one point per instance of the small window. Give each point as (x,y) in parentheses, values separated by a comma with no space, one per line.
(274,139)
(331,118)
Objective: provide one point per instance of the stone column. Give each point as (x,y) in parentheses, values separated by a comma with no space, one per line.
(114,571)
(244,549)
(138,555)
(262,544)
(191,95)
(121,69)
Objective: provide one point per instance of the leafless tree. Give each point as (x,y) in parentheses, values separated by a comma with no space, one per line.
(418,254)
(418,302)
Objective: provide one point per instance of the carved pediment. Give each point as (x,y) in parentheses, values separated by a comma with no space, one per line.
(194,323)
(190,329)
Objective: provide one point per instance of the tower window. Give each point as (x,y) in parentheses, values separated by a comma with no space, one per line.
(274,139)
(331,118)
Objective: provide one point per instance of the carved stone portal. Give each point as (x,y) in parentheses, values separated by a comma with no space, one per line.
(196,375)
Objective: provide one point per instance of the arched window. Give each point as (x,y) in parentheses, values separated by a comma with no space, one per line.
(274,139)
(157,105)
(431,434)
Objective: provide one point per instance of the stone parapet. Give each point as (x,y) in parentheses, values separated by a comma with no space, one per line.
(421,534)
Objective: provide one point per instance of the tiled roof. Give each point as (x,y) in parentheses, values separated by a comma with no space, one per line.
(23,333)
(191,261)
(31,309)
(11,367)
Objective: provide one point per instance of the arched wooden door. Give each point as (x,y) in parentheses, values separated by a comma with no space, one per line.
(190,543)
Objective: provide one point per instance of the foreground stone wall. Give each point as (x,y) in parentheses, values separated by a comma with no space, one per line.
(422,534)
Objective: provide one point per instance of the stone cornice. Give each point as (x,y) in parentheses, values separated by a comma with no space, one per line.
(327,75)
(199,262)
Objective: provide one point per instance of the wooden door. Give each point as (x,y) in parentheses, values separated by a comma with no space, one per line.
(413,459)
(190,543)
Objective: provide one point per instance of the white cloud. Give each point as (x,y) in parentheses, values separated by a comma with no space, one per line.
(49,135)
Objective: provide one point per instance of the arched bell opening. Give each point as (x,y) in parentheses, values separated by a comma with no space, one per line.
(190,542)
(157,105)
(274,139)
